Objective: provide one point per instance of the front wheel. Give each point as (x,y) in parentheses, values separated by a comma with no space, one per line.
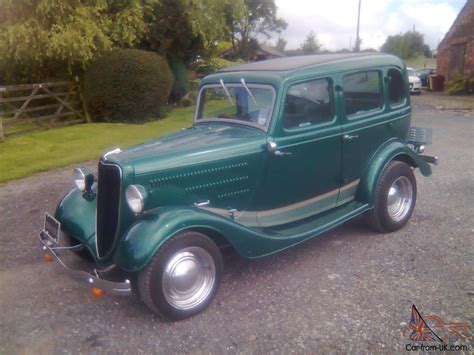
(395,198)
(183,276)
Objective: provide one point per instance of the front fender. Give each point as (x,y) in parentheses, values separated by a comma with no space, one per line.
(77,217)
(392,150)
(143,239)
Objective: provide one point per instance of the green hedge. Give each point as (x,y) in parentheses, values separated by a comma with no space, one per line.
(127,85)
(207,66)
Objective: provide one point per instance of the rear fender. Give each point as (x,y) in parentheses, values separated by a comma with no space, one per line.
(392,150)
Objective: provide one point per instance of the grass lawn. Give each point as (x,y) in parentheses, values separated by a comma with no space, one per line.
(421,62)
(39,151)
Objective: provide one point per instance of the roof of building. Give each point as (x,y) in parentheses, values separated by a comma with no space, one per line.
(271,51)
(261,48)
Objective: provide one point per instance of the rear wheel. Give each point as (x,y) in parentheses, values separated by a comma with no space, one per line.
(183,276)
(395,198)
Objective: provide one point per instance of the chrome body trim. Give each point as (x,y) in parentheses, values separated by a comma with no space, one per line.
(202,204)
(344,194)
(113,151)
(92,279)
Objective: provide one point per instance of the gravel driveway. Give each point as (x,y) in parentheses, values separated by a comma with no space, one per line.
(349,290)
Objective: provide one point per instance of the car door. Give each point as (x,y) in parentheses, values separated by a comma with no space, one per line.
(303,164)
(368,122)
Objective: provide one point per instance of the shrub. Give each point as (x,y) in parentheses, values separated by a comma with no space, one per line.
(127,85)
(207,66)
(459,85)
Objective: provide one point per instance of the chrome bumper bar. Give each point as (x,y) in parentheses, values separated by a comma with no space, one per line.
(92,279)
(430,160)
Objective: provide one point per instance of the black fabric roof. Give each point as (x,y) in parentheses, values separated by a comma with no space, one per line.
(298,62)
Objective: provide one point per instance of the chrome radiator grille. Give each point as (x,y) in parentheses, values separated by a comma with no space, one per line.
(108,207)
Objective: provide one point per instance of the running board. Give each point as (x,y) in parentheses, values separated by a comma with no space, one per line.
(318,224)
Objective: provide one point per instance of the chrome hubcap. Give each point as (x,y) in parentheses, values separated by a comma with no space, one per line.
(188,278)
(400,198)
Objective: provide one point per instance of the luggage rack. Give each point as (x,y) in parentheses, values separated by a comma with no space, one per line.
(419,136)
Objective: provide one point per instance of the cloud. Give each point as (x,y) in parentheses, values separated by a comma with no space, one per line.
(335,21)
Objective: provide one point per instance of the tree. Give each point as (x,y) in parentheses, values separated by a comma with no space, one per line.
(47,38)
(427,51)
(311,44)
(259,18)
(184,29)
(280,45)
(409,45)
(42,39)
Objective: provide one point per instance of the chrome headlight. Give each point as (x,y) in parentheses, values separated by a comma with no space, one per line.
(83,178)
(135,196)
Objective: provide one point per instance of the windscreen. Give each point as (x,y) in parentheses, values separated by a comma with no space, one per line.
(247,104)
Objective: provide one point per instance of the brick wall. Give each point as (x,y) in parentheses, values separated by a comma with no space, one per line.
(456,50)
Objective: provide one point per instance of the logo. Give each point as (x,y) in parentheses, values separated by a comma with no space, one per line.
(420,331)
(435,331)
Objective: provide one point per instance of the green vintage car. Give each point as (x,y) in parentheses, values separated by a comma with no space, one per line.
(280,151)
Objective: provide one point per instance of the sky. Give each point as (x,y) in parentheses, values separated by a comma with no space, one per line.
(335,21)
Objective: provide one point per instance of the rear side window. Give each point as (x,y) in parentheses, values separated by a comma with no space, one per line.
(362,92)
(396,90)
(308,103)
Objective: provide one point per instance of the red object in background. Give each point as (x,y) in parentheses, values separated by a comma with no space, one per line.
(435,83)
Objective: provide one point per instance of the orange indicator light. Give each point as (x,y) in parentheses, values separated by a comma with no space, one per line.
(97,292)
(48,257)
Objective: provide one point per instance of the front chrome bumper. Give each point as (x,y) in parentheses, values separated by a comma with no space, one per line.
(90,278)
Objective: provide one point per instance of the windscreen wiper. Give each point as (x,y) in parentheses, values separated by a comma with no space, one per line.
(248,91)
(226,91)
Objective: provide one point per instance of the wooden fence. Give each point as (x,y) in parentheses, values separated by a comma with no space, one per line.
(29,107)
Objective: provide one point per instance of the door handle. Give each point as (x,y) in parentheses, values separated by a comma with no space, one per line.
(279,153)
(202,204)
(273,148)
(348,137)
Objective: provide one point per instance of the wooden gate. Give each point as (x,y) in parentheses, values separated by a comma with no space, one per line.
(29,107)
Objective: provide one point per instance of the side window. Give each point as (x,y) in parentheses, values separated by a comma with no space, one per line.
(396,90)
(362,92)
(308,103)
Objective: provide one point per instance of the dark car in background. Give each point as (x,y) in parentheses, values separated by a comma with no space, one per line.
(423,74)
